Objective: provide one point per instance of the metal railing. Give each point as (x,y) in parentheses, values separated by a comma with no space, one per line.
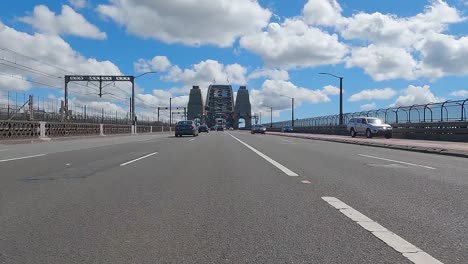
(448,111)
(22,107)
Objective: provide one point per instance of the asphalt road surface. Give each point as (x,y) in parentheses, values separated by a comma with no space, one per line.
(229,197)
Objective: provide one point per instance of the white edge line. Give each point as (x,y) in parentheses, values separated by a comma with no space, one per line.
(273,162)
(191,139)
(140,158)
(408,250)
(401,162)
(20,158)
(3,150)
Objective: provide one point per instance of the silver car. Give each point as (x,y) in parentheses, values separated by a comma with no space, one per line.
(369,126)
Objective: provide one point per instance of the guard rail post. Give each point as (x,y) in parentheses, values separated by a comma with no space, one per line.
(42,130)
(101,129)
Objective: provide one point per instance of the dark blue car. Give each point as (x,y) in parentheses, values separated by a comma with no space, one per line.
(287,129)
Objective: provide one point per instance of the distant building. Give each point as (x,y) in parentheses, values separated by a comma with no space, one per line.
(219,106)
(195,104)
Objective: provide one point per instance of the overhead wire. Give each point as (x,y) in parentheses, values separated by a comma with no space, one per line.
(35,71)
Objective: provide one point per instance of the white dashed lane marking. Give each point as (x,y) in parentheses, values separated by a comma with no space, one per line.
(396,161)
(408,250)
(20,158)
(140,158)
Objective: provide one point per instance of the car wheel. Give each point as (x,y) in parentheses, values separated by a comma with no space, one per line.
(368,133)
(388,135)
(352,132)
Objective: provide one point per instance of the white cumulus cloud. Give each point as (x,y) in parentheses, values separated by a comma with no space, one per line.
(416,95)
(397,47)
(273,94)
(190,22)
(385,62)
(367,107)
(158,63)
(274,74)
(373,94)
(77,4)
(322,12)
(295,44)
(460,93)
(54,57)
(68,22)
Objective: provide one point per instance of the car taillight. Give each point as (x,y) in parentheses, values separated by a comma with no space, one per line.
(192,127)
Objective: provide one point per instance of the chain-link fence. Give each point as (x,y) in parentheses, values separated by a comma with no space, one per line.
(448,111)
(23,107)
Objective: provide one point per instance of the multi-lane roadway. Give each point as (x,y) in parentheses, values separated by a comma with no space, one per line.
(229,197)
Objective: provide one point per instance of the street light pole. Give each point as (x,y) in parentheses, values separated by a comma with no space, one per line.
(271,117)
(292,108)
(133,94)
(170,112)
(292,117)
(341,94)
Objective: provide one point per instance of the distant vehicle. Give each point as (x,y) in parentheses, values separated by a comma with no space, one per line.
(258,129)
(203,128)
(219,128)
(231,128)
(369,126)
(287,129)
(187,127)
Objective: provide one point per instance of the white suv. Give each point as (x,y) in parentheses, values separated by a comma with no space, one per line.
(369,126)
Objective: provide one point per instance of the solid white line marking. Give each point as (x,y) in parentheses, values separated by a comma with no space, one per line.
(20,158)
(306,182)
(401,162)
(140,158)
(191,139)
(273,162)
(3,150)
(396,242)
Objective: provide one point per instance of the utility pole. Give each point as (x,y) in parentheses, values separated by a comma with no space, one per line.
(292,117)
(31,108)
(271,117)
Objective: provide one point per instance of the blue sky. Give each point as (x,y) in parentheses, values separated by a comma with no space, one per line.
(389,52)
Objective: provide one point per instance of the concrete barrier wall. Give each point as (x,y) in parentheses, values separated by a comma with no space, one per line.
(116,129)
(70,129)
(19,129)
(38,129)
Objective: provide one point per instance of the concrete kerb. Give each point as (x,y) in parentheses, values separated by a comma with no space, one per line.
(446,152)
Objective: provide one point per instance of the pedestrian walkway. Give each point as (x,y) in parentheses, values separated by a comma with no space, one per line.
(440,147)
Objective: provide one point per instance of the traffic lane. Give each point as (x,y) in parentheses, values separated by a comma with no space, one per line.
(447,169)
(248,215)
(65,144)
(28,177)
(419,204)
(180,208)
(40,206)
(59,157)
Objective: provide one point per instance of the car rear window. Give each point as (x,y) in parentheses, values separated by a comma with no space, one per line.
(184,123)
